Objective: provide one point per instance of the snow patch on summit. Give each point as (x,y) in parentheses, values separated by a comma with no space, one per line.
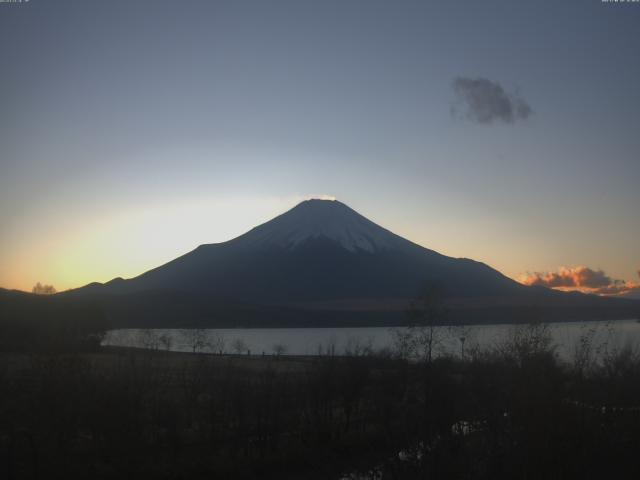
(315,219)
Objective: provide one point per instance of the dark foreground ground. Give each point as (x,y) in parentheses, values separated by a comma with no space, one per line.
(512,412)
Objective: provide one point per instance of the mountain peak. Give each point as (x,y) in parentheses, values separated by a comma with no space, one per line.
(321,219)
(319,203)
(320,250)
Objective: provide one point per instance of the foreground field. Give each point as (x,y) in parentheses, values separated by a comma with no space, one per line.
(512,412)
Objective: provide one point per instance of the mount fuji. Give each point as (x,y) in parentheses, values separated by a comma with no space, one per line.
(320,263)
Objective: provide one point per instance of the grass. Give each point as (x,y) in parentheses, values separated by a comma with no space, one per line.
(511,411)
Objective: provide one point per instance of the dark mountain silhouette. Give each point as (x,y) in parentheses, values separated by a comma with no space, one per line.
(319,262)
(30,322)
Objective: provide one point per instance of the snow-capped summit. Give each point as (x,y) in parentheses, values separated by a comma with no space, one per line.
(321,219)
(321,263)
(320,250)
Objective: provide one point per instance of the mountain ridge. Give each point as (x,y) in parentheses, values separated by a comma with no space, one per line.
(319,253)
(316,246)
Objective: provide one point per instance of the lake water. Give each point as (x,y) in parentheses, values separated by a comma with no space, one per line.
(340,341)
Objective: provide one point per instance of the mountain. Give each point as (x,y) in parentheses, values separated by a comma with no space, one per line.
(30,322)
(320,250)
(319,262)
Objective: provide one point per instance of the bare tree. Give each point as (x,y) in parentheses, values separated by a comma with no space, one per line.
(426,314)
(461,334)
(148,339)
(357,347)
(239,346)
(196,338)
(166,341)
(527,341)
(40,289)
(217,343)
(279,349)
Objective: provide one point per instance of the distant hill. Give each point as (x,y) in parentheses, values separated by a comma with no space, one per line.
(322,263)
(30,322)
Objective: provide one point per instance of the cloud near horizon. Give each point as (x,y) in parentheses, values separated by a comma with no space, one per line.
(581,278)
(486,101)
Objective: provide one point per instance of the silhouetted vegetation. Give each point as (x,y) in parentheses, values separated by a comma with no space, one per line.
(40,289)
(69,409)
(512,411)
(37,323)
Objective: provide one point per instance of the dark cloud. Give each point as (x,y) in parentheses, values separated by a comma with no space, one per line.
(484,101)
(581,278)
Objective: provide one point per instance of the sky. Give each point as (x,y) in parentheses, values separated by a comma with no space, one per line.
(133,131)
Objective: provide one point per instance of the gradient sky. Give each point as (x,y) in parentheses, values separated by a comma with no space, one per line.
(133,131)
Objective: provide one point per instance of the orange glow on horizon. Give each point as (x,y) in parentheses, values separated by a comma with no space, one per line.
(126,244)
(71,252)
(582,279)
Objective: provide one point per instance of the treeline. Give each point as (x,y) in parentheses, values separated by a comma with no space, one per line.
(512,411)
(37,323)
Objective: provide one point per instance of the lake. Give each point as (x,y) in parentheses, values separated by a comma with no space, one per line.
(341,341)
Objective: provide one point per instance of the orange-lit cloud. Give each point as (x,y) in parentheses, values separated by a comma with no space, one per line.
(581,278)
(570,277)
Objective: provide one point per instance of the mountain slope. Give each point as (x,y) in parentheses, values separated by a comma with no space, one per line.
(319,250)
(320,256)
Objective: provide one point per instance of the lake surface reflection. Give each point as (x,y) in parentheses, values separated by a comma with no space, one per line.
(341,341)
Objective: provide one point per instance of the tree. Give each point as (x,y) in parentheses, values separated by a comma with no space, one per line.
(461,333)
(279,349)
(40,289)
(239,346)
(527,342)
(217,342)
(149,339)
(166,341)
(196,338)
(426,314)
